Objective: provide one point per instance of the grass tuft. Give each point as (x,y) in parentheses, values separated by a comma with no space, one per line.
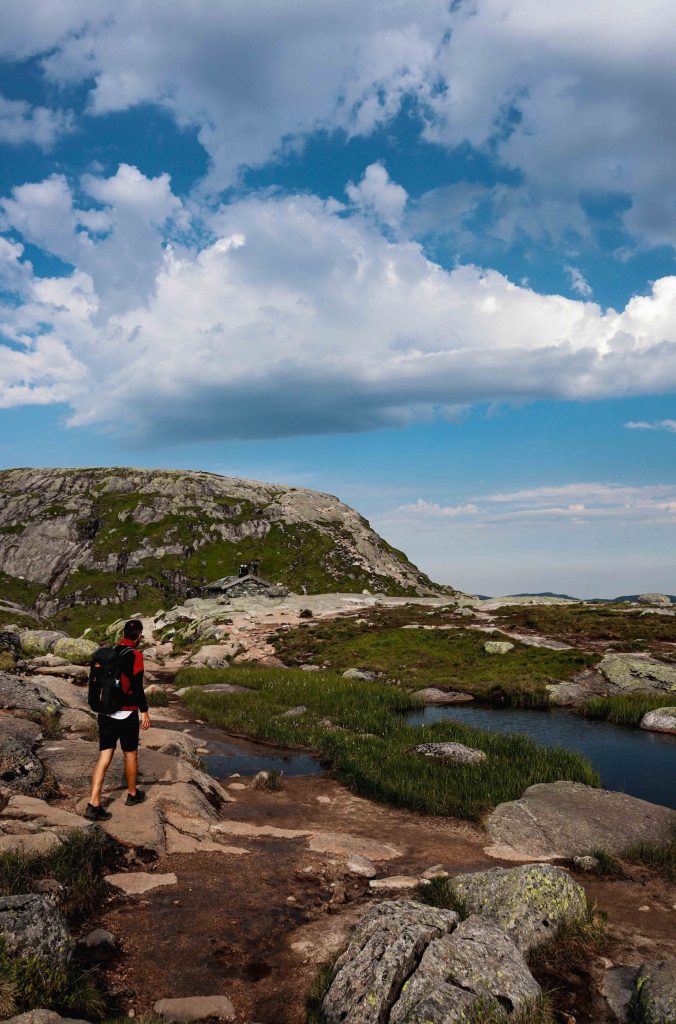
(158,699)
(625,708)
(660,857)
(317,991)
(608,866)
(370,750)
(29,982)
(440,892)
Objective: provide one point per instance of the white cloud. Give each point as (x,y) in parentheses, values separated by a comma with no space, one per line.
(668,425)
(20,123)
(293,318)
(578,283)
(378,195)
(577,101)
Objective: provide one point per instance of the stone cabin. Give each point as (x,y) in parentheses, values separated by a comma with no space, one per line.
(247,583)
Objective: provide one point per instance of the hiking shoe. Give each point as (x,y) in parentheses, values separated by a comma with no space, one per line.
(96,813)
(138,798)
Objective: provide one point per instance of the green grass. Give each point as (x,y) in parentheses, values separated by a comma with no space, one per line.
(440,892)
(659,857)
(158,699)
(77,864)
(579,623)
(626,708)
(608,865)
(29,982)
(450,658)
(368,744)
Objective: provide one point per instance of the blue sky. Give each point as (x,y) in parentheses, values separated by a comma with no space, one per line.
(420,255)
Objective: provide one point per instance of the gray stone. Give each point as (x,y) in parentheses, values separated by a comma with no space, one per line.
(361,866)
(628,672)
(31,844)
(17,694)
(98,944)
(529,902)
(20,728)
(360,673)
(75,652)
(660,600)
(36,642)
(386,946)
(66,671)
(567,819)
(586,863)
(654,997)
(43,1017)
(74,720)
(214,688)
(458,753)
(294,712)
(567,693)
(430,695)
(31,925)
(189,1008)
(20,769)
(660,720)
(394,883)
(498,647)
(477,959)
(617,988)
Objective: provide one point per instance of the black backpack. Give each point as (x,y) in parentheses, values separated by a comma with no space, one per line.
(105,684)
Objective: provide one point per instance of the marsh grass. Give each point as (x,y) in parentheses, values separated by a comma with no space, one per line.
(453,658)
(158,699)
(625,708)
(369,746)
(77,864)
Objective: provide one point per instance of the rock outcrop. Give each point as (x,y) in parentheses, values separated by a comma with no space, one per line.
(565,819)
(660,720)
(627,672)
(31,926)
(100,536)
(654,997)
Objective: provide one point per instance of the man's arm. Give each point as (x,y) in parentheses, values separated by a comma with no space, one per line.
(137,689)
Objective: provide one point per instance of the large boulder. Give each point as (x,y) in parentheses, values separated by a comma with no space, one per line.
(20,769)
(566,819)
(660,720)
(35,642)
(626,673)
(657,600)
(76,652)
(386,947)
(20,729)
(529,902)
(43,1017)
(431,695)
(498,647)
(9,642)
(475,962)
(31,926)
(654,998)
(17,694)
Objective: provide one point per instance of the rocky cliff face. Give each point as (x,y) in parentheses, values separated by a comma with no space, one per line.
(110,536)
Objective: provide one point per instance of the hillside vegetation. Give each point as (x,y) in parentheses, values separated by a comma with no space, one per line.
(139,539)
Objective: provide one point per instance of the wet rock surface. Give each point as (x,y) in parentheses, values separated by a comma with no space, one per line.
(567,819)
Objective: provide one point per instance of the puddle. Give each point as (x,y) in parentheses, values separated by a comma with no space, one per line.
(632,761)
(228,756)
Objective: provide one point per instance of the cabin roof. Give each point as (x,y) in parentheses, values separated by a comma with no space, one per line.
(227,582)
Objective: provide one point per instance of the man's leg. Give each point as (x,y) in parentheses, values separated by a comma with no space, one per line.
(131,770)
(100,769)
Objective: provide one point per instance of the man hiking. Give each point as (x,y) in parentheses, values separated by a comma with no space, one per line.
(116,693)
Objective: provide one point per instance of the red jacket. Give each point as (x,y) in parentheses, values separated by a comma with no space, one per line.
(132,678)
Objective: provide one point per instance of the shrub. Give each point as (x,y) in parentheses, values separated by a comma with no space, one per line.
(660,857)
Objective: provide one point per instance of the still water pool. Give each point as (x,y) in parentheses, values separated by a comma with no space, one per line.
(632,761)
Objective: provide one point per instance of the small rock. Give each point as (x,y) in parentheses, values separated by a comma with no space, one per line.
(134,883)
(99,944)
(323,799)
(431,695)
(360,673)
(435,871)
(458,753)
(361,866)
(260,780)
(645,909)
(586,863)
(498,647)
(194,1008)
(660,720)
(237,785)
(294,712)
(309,668)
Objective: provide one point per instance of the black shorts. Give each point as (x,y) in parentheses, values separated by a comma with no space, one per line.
(125,730)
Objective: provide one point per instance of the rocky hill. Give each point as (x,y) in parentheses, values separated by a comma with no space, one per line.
(109,537)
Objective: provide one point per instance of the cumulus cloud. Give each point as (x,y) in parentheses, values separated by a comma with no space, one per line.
(668,425)
(579,104)
(291,317)
(378,195)
(21,123)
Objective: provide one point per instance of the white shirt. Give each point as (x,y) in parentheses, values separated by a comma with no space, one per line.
(120,714)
